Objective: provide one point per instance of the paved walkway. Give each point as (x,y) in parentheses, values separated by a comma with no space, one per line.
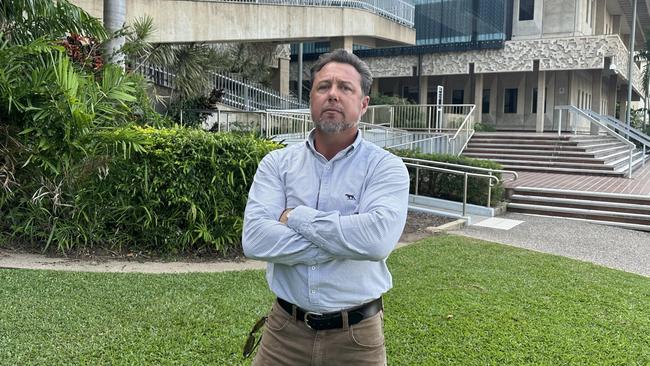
(639,184)
(612,247)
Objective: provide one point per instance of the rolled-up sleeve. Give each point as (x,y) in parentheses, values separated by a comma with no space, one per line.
(372,233)
(264,237)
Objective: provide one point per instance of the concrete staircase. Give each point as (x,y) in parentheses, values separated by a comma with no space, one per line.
(628,211)
(550,153)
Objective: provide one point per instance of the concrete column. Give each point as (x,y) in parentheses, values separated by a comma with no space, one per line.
(478,98)
(281,76)
(424,89)
(521,99)
(597,95)
(541,98)
(374,88)
(601,14)
(616,24)
(342,42)
(494,98)
(611,97)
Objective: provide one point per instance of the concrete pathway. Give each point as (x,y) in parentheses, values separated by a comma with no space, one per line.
(609,246)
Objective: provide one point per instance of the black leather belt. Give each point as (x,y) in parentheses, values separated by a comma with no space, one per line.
(323,321)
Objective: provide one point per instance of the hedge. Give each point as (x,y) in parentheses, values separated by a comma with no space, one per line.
(167,191)
(450,186)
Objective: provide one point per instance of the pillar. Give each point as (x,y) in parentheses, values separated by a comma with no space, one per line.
(597,95)
(424,89)
(281,76)
(478,98)
(494,97)
(342,42)
(541,98)
(601,14)
(374,88)
(611,97)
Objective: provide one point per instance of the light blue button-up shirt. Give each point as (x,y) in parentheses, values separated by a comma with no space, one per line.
(349,213)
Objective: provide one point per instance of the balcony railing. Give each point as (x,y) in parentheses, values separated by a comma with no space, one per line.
(396,10)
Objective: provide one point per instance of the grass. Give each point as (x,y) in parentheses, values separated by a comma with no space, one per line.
(455,301)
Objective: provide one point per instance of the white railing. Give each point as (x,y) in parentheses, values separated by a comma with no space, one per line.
(237,92)
(295,125)
(445,118)
(396,10)
(582,123)
(491,180)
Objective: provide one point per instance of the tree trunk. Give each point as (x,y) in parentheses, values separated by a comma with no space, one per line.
(114,19)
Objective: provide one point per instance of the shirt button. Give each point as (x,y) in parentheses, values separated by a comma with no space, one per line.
(313,291)
(313,268)
(327,167)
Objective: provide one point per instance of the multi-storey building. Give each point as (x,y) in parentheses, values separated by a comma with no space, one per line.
(514,59)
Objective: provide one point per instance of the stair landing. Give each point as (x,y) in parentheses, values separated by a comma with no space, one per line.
(639,184)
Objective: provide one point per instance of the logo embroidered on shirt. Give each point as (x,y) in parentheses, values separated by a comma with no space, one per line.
(350,197)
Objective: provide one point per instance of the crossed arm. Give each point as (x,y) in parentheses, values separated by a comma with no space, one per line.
(310,236)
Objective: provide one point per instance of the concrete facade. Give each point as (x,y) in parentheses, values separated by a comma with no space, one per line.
(180,21)
(571,52)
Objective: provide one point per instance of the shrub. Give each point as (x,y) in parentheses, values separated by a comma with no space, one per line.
(157,190)
(484,127)
(450,186)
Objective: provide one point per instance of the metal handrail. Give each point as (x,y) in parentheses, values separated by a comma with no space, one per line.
(456,172)
(514,174)
(238,93)
(469,135)
(591,119)
(398,11)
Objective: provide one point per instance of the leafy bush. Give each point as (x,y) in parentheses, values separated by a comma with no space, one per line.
(383,99)
(484,127)
(450,186)
(159,190)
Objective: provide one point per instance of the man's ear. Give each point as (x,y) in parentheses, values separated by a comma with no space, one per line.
(364,104)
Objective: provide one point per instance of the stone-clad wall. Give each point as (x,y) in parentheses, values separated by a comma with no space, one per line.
(575,53)
(554,54)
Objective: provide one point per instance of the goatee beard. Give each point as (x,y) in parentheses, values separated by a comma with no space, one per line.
(331,127)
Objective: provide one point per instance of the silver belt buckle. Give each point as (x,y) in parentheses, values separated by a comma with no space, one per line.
(306,320)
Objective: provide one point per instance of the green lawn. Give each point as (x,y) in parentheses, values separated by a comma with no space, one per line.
(456,301)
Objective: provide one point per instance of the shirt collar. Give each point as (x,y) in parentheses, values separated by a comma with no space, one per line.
(345,152)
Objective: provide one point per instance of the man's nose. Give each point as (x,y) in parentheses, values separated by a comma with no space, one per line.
(333,94)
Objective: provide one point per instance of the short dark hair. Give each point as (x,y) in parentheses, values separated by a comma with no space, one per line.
(343,56)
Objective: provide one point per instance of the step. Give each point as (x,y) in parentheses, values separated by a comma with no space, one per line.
(581,203)
(602,222)
(554,164)
(599,215)
(525,146)
(531,152)
(521,135)
(595,196)
(484,140)
(565,159)
(601,146)
(526,168)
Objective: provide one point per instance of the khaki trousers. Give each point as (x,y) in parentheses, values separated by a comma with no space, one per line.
(286,341)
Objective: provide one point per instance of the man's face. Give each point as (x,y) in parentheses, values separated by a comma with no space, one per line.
(337,102)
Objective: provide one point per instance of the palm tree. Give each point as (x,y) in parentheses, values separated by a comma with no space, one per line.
(23,21)
(114,20)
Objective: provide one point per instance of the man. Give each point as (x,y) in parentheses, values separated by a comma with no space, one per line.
(325,214)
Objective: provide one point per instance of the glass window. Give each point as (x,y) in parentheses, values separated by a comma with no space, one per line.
(526,9)
(458,96)
(485,108)
(510,101)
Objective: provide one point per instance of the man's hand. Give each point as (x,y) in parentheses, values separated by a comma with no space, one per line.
(285,215)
